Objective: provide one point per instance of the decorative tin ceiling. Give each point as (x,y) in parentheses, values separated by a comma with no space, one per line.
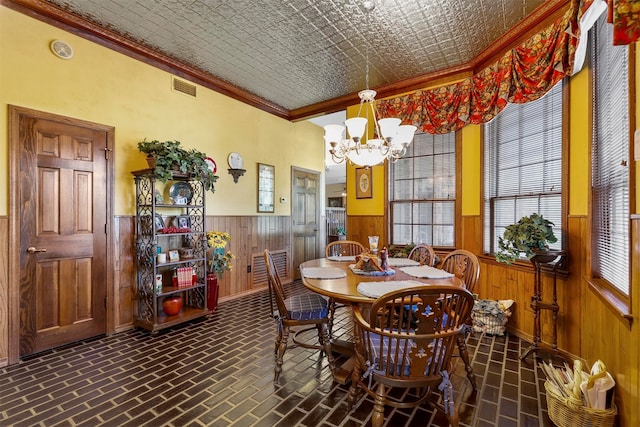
(295,53)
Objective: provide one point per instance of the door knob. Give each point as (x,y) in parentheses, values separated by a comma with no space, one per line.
(33,250)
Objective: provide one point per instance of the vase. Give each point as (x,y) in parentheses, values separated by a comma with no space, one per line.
(212,292)
(544,257)
(172,305)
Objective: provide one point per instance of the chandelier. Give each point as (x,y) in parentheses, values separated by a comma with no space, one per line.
(391,139)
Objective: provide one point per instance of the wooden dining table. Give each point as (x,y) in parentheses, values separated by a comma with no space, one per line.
(345,290)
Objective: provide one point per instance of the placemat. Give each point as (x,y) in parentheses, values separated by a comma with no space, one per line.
(323,273)
(402,262)
(344,258)
(371,273)
(426,272)
(376,289)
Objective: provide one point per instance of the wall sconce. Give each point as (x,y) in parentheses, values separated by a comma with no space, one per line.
(236,164)
(236,173)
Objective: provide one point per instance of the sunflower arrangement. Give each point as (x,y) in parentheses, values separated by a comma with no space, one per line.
(220,258)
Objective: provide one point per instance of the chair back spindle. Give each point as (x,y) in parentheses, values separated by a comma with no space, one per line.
(406,340)
(424,254)
(465,266)
(344,248)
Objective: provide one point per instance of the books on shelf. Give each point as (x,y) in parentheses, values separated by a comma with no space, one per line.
(185,276)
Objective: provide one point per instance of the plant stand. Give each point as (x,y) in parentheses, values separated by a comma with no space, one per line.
(549,261)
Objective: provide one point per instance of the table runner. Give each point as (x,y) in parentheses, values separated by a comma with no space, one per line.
(426,272)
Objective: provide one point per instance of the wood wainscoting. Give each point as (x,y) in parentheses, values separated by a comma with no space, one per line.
(499,281)
(124,278)
(360,227)
(250,235)
(4,291)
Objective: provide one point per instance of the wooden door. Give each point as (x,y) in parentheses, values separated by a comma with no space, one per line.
(305,216)
(62,173)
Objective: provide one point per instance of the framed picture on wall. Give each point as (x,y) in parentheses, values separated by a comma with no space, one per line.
(266,187)
(363,183)
(335,202)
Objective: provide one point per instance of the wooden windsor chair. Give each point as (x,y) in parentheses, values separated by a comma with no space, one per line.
(308,309)
(400,348)
(466,267)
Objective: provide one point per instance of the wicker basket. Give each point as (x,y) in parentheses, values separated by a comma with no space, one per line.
(570,412)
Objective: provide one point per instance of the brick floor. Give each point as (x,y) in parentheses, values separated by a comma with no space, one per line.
(219,372)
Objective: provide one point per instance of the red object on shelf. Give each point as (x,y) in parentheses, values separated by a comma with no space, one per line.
(172,305)
(212,291)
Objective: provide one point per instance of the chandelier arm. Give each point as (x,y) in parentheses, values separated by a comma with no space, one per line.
(385,148)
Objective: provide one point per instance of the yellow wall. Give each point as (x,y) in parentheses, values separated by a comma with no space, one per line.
(103,86)
(471,175)
(579,143)
(375,205)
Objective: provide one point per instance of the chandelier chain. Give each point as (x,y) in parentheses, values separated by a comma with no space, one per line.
(390,138)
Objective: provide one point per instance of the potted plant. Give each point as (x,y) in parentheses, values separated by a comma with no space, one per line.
(168,157)
(342,233)
(400,251)
(529,236)
(220,262)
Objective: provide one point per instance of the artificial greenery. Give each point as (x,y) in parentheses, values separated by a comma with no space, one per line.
(220,261)
(170,157)
(401,251)
(530,234)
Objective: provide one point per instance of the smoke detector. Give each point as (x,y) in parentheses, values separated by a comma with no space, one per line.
(61,49)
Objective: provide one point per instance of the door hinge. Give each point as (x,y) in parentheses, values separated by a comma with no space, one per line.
(106,228)
(107,150)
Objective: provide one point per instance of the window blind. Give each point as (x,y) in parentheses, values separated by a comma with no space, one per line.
(610,157)
(423,190)
(523,166)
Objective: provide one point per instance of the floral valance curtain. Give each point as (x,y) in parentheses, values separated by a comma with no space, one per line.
(523,74)
(625,17)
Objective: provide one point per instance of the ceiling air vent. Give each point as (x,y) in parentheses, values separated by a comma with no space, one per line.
(184,87)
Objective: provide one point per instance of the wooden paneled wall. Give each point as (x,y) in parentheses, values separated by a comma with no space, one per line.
(249,235)
(360,227)
(124,272)
(587,327)
(499,281)
(4,291)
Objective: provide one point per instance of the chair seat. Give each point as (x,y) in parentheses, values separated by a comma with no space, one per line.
(396,352)
(306,307)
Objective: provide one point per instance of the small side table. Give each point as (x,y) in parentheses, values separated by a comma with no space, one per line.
(548,261)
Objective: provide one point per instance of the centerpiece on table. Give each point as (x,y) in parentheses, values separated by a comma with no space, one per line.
(369,264)
(219,263)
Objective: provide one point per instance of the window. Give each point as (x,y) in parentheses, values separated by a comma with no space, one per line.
(423,192)
(523,166)
(610,159)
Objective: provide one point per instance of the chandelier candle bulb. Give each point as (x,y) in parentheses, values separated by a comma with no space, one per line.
(356,127)
(389,128)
